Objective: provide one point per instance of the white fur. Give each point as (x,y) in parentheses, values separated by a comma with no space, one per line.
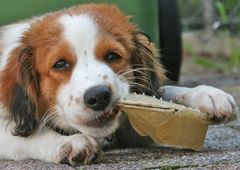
(217,103)
(45,145)
(10,39)
(81,32)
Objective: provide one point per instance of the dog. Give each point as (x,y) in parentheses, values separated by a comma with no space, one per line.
(62,74)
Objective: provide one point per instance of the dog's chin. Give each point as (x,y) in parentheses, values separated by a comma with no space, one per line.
(103,120)
(103,125)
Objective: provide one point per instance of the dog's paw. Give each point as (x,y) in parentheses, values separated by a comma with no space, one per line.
(219,105)
(77,149)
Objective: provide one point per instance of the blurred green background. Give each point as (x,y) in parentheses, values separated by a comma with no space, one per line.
(144,12)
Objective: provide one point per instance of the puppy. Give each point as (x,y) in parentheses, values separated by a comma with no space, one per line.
(62,74)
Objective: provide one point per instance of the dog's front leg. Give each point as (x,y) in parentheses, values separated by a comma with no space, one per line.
(47,145)
(217,103)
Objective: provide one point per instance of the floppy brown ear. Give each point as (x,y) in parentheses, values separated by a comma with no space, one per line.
(19,85)
(148,72)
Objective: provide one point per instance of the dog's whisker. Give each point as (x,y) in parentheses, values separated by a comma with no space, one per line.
(146,76)
(144,69)
(140,88)
(143,88)
(140,70)
(48,116)
(131,79)
(146,86)
(141,66)
(143,77)
(54,124)
(45,118)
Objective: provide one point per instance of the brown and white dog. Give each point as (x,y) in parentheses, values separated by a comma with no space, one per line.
(65,72)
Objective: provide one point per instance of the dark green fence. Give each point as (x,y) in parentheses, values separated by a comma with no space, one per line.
(144,12)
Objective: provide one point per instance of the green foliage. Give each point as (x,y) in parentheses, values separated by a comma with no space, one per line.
(188,8)
(188,47)
(211,64)
(222,11)
(229,5)
(216,63)
(231,64)
(235,56)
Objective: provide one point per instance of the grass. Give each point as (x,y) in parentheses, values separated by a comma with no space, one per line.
(218,66)
(217,63)
(235,57)
(233,64)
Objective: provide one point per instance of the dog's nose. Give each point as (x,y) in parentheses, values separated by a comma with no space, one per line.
(97,97)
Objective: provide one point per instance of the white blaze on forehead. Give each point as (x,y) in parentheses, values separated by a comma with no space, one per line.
(80,31)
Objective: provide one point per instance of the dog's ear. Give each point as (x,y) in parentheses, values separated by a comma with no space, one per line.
(19,83)
(148,73)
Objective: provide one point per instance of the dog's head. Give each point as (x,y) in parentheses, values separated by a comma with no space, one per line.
(71,67)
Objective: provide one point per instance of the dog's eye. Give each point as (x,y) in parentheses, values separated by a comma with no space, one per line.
(111,57)
(61,65)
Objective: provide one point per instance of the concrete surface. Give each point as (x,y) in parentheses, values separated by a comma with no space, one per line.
(221,147)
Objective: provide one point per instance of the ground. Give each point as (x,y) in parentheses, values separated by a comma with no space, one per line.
(221,147)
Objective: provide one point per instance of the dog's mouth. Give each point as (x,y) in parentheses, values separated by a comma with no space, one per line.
(105,119)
